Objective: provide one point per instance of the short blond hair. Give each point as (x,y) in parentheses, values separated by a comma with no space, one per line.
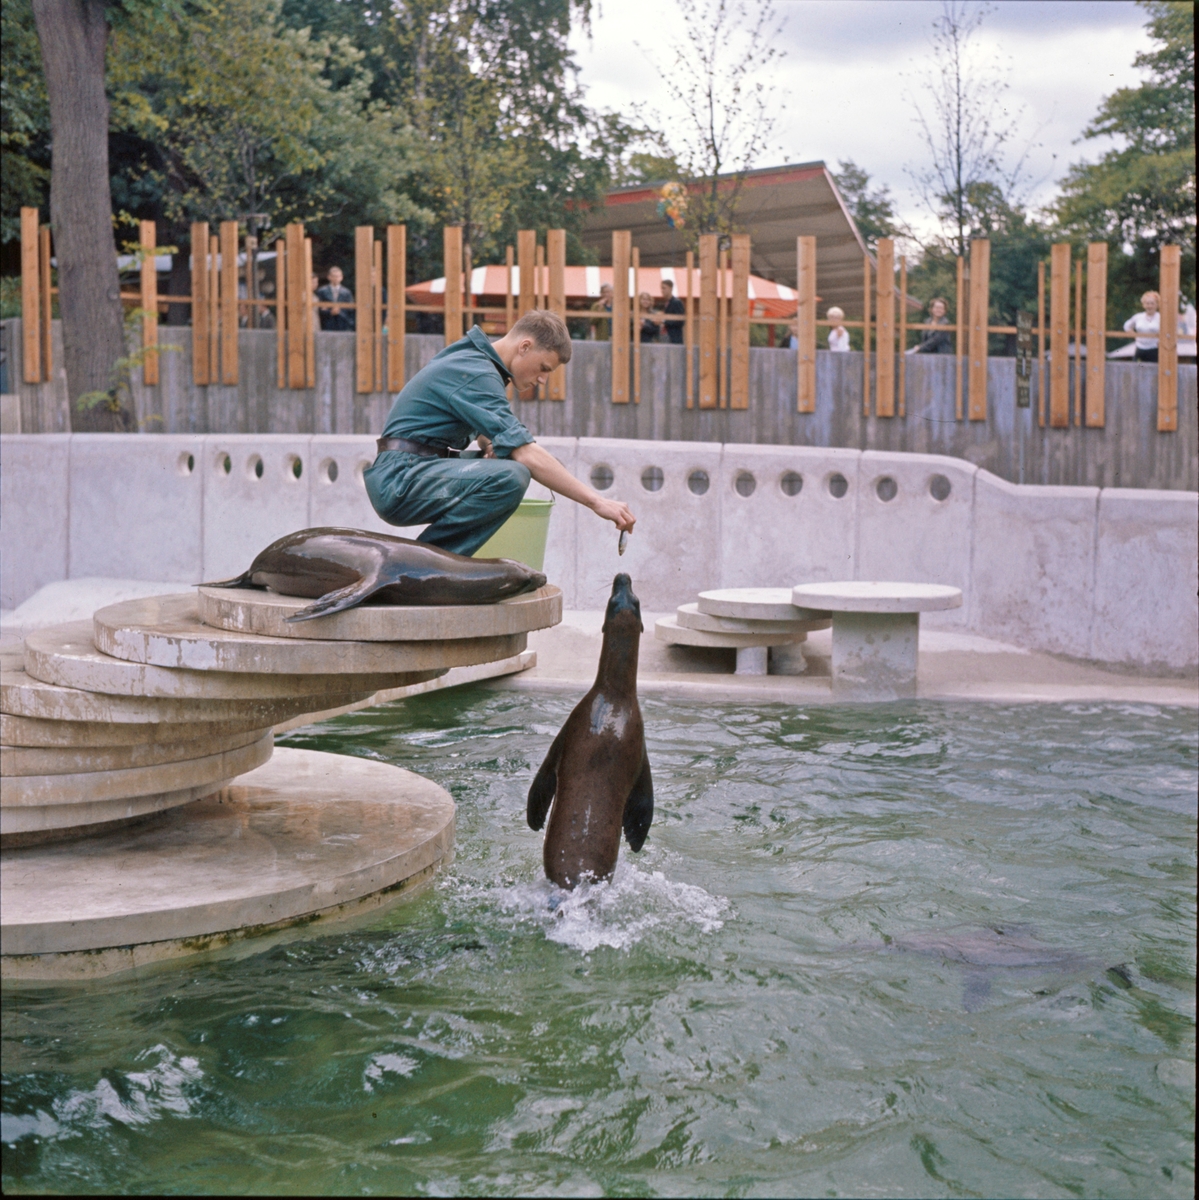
(1157,299)
(547,330)
(835,314)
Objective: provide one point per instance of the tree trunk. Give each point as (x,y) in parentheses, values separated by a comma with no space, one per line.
(73,36)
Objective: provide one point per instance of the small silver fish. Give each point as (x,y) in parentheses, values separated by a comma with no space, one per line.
(624,541)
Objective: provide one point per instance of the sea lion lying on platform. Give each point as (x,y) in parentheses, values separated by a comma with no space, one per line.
(344,567)
(597,772)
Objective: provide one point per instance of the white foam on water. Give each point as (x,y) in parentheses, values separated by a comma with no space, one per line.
(616,913)
(386,1064)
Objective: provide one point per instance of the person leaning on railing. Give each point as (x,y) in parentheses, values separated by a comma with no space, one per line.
(936,341)
(1146,322)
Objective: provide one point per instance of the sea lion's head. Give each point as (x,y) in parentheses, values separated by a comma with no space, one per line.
(624,609)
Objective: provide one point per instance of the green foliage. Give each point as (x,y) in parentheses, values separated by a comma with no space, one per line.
(24,120)
(873,210)
(1141,194)
(118,399)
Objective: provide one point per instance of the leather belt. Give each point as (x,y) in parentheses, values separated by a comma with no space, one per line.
(403,444)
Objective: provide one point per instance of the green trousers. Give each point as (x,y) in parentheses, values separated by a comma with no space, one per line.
(464,500)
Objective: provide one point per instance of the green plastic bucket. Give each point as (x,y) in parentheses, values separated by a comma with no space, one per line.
(522,536)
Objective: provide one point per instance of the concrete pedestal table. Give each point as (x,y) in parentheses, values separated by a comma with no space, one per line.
(876,632)
(761,614)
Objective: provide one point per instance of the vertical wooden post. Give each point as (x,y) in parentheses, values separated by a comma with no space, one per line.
(1096,331)
(199,306)
(622,246)
(555,248)
(377,313)
(805,323)
(299,327)
(709,255)
(1078,342)
(1167,345)
(509,298)
(31,305)
(539,302)
(468,298)
(724,291)
(526,254)
(397,315)
(636,254)
(452,259)
(229,305)
(739,323)
(959,321)
(980,306)
(214,309)
(45,295)
(280,313)
(903,335)
(1059,335)
(866,335)
(307,301)
(148,239)
(1042,401)
(689,332)
(884,355)
(364,311)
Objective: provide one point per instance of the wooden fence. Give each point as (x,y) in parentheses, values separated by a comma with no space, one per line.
(716,319)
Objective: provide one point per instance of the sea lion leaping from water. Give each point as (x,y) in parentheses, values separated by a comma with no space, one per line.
(597,773)
(343,567)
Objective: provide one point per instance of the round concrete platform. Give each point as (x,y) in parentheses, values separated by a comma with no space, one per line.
(668,630)
(755,604)
(37,733)
(248,610)
(166,632)
(308,835)
(867,596)
(65,655)
(23,696)
(689,616)
(69,760)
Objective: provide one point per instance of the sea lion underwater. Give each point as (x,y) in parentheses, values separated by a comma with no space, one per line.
(597,773)
(344,567)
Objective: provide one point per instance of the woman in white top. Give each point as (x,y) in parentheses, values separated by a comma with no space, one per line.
(1144,323)
(838,336)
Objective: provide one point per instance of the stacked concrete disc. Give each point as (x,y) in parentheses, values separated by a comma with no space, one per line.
(761,624)
(162,704)
(155,703)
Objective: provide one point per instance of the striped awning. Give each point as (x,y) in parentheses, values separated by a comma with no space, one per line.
(489,287)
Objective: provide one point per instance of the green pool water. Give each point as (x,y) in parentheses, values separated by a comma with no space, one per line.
(796,988)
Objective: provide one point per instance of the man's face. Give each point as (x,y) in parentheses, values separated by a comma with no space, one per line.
(335,277)
(667,289)
(531,365)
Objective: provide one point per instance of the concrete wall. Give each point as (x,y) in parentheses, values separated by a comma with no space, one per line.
(1128,452)
(1105,574)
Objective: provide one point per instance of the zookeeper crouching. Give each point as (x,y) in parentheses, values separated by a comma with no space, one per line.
(421,474)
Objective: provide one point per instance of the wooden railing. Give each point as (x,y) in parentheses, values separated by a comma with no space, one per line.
(716,318)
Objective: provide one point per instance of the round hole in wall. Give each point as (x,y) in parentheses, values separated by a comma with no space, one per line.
(295,466)
(328,471)
(224,462)
(939,487)
(360,469)
(601,477)
(745,483)
(254,467)
(186,464)
(886,489)
(838,485)
(791,483)
(698,482)
(652,479)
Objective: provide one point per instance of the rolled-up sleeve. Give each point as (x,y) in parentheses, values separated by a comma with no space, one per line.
(482,405)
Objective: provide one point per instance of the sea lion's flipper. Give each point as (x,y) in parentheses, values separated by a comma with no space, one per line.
(545,784)
(639,807)
(243,580)
(337,601)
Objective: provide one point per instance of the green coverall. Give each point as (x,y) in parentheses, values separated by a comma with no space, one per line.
(459,394)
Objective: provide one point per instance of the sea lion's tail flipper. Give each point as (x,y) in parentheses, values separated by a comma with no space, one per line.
(544,785)
(336,601)
(243,580)
(639,807)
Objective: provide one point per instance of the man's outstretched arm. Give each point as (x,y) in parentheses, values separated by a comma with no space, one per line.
(550,473)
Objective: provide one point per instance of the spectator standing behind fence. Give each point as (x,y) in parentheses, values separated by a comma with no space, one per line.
(1145,323)
(838,336)
(935,341)
(314,286)
(333,293)
(672,307)
(601,330)
(651,323)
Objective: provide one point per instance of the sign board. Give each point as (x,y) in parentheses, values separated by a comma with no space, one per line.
(1024,359)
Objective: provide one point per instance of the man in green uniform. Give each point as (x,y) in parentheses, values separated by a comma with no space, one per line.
(419,475)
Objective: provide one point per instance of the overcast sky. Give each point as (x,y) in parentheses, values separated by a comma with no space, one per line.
(841,85)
